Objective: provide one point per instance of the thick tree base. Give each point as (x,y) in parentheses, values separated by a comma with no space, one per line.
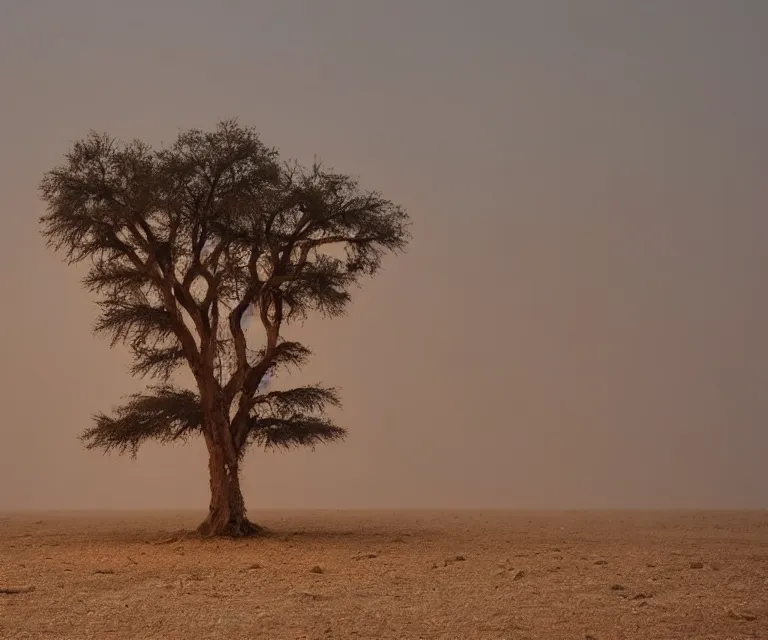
(233,529)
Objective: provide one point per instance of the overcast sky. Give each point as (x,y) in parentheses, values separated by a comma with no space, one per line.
(581,318)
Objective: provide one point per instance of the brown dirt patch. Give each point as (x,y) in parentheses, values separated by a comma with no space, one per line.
(461,575)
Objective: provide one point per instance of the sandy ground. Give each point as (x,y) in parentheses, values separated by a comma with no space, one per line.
(463,575)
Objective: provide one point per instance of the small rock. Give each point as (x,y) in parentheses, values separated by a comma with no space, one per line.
(255,565)
(499,572)
(650,565)
(600,562)
(519,575)
(696,565)
(316,569)
(617,587)
(15,590)
(107,572)
(365,556)
(459,558)
(641,596)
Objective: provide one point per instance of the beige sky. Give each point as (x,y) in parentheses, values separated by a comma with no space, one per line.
(581,318)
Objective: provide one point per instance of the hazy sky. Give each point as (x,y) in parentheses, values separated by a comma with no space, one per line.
(581,318)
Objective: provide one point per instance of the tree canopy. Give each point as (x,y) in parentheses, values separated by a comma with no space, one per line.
(184,244)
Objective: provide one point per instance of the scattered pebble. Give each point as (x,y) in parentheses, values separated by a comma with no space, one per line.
(697,565)
(617,587)
(519,575)
(365,556)
(453,559)
(105,571)
(316,569)
(600,562)
(15,590)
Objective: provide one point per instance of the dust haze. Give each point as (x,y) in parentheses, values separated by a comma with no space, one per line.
(580,319)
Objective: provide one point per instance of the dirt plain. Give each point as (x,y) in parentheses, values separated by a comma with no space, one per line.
(336,574)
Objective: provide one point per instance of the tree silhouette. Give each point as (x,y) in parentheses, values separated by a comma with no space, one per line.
(183,244)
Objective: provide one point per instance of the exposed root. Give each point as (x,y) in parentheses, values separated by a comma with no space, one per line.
(233,529)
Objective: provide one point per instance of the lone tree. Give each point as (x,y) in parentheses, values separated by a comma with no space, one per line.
(183,245)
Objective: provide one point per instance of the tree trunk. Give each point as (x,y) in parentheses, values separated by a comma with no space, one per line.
(226,514)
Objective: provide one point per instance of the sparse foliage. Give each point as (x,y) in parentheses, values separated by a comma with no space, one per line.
(183,244)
